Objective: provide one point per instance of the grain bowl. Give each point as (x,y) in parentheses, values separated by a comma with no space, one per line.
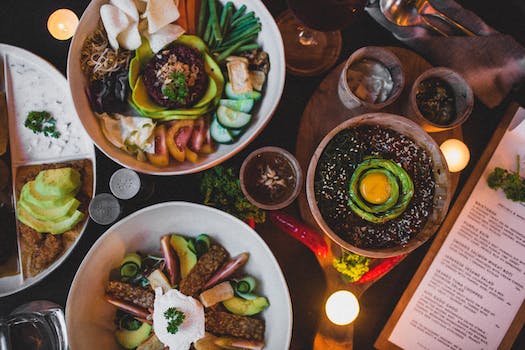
(378,185)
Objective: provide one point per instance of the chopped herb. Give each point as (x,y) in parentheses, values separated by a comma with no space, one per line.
(221,189)
(512,184)
(175,318)
(351,266)
(42,122)
(176,90)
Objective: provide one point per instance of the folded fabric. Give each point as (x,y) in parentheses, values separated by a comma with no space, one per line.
(492,63)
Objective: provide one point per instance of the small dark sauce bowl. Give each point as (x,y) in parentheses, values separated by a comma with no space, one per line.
(463,96)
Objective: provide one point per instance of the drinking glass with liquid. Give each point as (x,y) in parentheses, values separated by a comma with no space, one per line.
(310,31)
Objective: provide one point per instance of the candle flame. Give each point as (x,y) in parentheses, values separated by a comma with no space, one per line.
(62,24)
(342,307)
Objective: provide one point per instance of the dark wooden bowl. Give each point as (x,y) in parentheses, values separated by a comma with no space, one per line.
(443,190)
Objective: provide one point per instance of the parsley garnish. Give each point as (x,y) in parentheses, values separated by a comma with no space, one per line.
(511,183)
(176,90)
(175,319)
(42,122)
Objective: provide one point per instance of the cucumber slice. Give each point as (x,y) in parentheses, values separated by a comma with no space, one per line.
(219,133)
(254,95)
(130,265)
(133,257)
(244,106)
(231,118)
(236,133)
(129,269)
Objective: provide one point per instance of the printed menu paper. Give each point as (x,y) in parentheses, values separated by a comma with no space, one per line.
(476,282)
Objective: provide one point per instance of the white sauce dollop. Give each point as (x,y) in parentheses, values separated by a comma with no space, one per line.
(191,329)
(33,88)
(129,133)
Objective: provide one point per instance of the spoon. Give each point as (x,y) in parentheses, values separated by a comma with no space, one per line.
(425,8)
(405,14)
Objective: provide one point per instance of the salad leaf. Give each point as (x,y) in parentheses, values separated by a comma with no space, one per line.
(512,184)
(220,188)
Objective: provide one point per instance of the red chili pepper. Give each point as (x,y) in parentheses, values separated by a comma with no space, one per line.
(300,231)
(380,269)
(250,222)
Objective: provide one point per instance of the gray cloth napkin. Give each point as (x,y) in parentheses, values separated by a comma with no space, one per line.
(492,63)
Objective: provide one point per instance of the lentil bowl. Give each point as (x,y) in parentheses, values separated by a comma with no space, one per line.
(389,137)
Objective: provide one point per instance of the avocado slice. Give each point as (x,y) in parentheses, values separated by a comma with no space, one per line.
(51,213)
(243,307)
(31,195)
(44,226)
(57,182)
(187,257)
(131,339)
(400,197)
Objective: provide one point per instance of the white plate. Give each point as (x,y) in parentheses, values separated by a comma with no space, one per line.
(33,84)
(270,40)
(90,318)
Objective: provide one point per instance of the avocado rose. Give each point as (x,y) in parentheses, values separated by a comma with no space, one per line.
(379,190)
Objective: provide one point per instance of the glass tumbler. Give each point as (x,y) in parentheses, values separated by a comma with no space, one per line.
(372,78)
(38,325)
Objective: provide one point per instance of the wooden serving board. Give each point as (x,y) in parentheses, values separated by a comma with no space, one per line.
(323,112)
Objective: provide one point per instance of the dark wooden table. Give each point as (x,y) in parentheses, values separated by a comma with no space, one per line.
(23,24)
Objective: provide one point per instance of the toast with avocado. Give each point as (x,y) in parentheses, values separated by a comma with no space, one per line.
(52,202)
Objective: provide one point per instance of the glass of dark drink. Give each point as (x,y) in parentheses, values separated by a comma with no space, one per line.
(310,31)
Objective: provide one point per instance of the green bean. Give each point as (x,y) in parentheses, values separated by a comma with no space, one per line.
(232,40)
(237,34)
(243,41)
(229,51)
(202,19)
(224,13)
(207,33)
(225,18)
(248,47)
(216,31)
(239,12)
(213,42)
(245,21)
(242,29)
(245,17)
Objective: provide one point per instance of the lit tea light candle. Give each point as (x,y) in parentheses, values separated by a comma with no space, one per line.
(342,307)
(456,154)
(62,24)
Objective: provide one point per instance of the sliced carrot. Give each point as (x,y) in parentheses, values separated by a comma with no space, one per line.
(192,9)
(183,19)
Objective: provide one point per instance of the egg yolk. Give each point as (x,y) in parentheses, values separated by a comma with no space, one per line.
(375,188)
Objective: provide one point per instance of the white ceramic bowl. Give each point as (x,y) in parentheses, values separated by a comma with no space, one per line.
(90,318)
(269,39)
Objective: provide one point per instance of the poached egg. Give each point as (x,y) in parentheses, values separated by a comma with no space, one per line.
(192,327)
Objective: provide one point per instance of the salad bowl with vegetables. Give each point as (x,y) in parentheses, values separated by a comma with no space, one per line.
(174,87)
(179,275)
